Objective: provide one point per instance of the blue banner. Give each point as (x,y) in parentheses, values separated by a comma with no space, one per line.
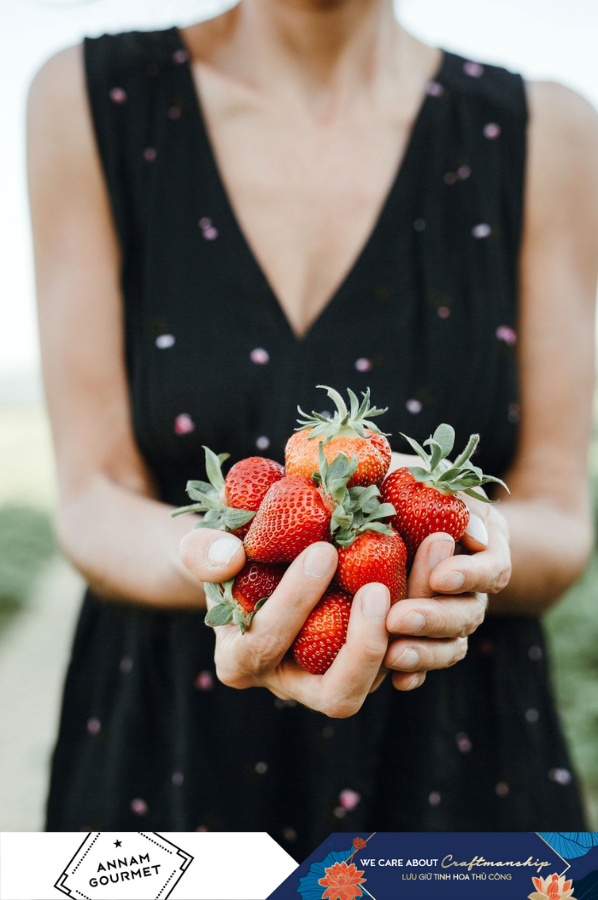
(448,866)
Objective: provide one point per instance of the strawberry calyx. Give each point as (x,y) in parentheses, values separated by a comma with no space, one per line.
(366,515)
(447,477)
(210,498)
(345,422)
(227,610)
(355,509)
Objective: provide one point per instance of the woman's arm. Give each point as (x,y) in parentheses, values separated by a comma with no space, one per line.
(109,524)
(548,511)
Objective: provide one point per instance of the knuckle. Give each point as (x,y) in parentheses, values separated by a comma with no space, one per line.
(441,623)
(503,578)
(265,651)
(477,617)
(373,649)
(228,675)
(460,649)
(340,707)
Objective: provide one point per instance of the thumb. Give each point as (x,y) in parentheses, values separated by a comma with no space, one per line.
(212,555)
(432,550)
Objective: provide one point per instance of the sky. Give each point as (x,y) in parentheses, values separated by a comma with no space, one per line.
(548,39)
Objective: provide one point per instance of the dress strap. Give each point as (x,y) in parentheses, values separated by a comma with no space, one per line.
(132,89)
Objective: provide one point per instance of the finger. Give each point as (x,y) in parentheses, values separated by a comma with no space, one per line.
(438,617)
(279,621)
(487,571)
(407,655)
(348,681)
(404,681)
(433,550)
(212,555)
(475,538)
(340,692)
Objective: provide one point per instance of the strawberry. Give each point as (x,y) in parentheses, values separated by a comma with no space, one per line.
(425,498)
(231,502)
(248,481)
(374,557)
(296,512)
(241,597)
(348,431)
(324,632)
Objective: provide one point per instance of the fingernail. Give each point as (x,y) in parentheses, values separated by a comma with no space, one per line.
(415,681)
(440,549)
(477,530)
(316,562)
(375,602)
(452,582)
(412,623)
(222,550)
(408,659)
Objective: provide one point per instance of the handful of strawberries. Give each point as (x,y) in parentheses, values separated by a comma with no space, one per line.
(334,487)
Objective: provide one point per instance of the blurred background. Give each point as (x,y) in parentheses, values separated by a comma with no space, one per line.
(39,592)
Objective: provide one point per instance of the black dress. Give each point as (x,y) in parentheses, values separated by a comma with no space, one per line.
(148,737)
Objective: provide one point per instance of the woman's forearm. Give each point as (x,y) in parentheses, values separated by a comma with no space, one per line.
(549,548)
(127,546)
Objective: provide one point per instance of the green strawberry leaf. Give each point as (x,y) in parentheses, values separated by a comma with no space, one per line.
(436,452)
(381,527)
(475,494)
(222,614)
(212,519)
(383,511)
(195,507)
(214,469)
(236,518)
(419,473)
(213,591)
(418,449)
(444,436)
(472,443)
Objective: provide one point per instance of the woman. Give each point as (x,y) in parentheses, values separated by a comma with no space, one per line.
(221,222)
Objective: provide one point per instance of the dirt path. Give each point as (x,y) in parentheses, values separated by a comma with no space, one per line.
(34,652)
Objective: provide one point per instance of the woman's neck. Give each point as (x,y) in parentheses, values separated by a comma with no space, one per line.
(316,53)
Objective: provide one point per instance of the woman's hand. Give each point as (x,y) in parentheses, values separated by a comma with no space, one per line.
(259,658)
(447,596)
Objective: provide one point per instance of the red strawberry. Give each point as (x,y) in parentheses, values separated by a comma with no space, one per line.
(296,513)
(247,484)
(239,599)
(374,557)
(292,516)
(324,632)
(424,498)
(231,502)
(349,432)
(248,481)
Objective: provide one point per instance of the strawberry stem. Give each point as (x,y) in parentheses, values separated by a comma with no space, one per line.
(345,422)
(446,477)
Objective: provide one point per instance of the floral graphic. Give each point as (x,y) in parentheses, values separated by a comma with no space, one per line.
(552,888)
(342,882)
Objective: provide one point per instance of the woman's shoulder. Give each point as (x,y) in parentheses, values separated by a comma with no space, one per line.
(121,53)
(563,116)
(484,84)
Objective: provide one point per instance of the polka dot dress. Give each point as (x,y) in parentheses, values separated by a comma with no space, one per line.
(428,321)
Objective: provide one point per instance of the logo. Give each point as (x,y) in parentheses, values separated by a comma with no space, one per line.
(128,865)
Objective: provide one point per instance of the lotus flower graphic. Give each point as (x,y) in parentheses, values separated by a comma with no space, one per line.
(342,882)
(552,888)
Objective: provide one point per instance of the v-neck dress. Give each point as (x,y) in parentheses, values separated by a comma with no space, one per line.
(427,318)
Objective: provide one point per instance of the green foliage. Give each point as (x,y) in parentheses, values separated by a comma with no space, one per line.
(26,543)
(572,628)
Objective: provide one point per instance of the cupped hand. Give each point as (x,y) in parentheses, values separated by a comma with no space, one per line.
(447,596)
(259,658)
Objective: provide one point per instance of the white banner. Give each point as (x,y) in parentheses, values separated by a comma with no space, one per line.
(129,865)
